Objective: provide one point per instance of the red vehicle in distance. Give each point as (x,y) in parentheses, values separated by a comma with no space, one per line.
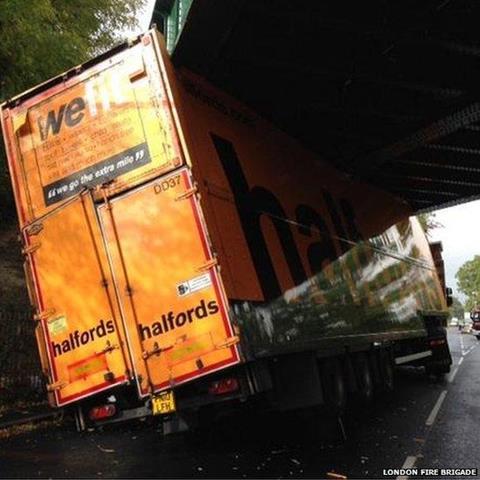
(475,316)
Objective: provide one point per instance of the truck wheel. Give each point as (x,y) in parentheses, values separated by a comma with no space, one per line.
(386,370)
(333,383)
(364,378)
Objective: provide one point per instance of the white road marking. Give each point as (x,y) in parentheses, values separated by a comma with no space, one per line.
(408,463)
(436,408)
(468,351)
(452,375)
(410,460)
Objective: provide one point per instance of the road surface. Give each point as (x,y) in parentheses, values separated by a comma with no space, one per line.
(424,423)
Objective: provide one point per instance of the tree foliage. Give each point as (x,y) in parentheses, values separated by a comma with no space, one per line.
(429,222)
(457,309)
(468,281)
(42,38)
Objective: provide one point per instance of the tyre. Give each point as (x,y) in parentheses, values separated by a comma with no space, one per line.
(364,378)
(333,383)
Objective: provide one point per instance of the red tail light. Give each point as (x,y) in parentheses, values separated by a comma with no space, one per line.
(436,343)
(225,385)
(102,412)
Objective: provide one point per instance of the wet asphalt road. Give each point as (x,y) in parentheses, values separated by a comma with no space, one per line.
(385,435)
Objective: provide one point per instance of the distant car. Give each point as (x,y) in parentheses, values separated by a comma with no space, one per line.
(454,322)
(467,328)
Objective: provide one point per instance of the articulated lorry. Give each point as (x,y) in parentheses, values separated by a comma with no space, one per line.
(183,255)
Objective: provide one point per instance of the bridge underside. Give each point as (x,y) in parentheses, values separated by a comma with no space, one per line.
(387,91)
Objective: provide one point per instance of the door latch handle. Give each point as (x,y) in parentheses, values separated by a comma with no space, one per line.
(157,350)
(110,348)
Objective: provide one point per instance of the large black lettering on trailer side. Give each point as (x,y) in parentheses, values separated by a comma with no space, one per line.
(253,202)
(355,291)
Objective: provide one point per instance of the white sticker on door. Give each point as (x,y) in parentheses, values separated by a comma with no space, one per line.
(194,285)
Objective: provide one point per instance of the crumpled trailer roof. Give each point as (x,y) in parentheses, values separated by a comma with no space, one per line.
(384,91)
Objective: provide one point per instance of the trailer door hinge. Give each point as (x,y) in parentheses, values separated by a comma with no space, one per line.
(187,194)
(31,248)
(51,387)
(35,229)
(45,314)
(208,265)
(229,342)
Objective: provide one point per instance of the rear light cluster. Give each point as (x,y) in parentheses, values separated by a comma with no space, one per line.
(102,412)
(436,343)
(223,386)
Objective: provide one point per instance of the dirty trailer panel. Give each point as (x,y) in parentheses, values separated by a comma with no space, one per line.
(76,302)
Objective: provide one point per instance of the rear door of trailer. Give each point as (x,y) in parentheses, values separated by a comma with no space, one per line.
(118,259)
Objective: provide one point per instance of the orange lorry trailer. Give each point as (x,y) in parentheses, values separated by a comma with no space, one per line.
(182,254)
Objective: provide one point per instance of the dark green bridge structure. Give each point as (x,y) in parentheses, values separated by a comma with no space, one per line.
(386,91)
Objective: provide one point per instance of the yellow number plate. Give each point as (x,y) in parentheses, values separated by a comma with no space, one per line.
(163,403)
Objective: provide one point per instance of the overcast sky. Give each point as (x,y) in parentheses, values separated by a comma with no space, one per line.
(460,237)
(144,19)
(146,16)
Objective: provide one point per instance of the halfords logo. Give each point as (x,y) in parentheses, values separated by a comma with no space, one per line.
(77,338)
(170,321)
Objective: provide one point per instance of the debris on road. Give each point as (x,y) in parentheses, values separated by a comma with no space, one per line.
(336,476)
(105,450)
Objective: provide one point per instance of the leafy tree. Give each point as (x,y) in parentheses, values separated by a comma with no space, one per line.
(468,281)
(457,309)
(42,38)
(428,222)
